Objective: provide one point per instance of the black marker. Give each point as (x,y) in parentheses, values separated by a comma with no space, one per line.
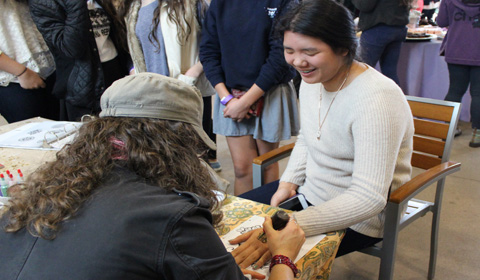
(280,220)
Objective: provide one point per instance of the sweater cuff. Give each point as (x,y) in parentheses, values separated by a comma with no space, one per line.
(187,79)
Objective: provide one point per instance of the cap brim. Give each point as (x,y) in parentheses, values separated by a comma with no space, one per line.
(205,137)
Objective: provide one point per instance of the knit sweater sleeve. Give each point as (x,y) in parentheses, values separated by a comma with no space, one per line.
(377,122)
(295,171)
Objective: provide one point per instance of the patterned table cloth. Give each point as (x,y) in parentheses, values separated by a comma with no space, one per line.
(316,264)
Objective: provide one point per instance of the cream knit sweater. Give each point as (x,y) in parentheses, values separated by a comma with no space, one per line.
(365,147)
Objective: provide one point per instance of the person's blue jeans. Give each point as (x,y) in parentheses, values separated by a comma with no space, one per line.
(460,77)
(382,43)
(352,241)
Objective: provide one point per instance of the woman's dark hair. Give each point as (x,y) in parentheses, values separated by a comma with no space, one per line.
(118,24)
(165,153)
(326,20)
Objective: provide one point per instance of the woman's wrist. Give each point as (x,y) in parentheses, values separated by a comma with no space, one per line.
(23,72)
(224,100)
(282,259)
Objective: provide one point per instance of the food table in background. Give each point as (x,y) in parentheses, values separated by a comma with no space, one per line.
(316,264)
(423,72)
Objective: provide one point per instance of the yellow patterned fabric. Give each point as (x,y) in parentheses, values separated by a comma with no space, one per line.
(316,264)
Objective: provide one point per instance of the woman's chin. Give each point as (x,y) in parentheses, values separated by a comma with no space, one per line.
(311,80)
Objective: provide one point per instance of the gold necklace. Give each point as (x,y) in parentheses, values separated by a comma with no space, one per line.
(320,124)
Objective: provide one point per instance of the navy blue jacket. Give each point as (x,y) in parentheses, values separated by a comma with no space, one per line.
(238,47)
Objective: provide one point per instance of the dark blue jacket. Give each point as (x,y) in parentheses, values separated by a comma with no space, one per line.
(238,47)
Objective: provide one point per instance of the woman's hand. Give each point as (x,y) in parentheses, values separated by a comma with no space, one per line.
(254,274)
(251,250)
(31,80)
(237,110)
(285,191)
(287,241)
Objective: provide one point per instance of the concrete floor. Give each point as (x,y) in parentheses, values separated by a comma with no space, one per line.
(459,244)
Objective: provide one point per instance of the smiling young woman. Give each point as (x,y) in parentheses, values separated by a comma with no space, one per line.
(356,136)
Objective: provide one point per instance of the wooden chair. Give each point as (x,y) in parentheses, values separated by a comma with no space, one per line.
(435,122)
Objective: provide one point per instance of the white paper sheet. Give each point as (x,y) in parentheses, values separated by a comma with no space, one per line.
(256,222)
(34,135)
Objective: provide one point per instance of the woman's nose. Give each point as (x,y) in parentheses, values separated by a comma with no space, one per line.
(298,61)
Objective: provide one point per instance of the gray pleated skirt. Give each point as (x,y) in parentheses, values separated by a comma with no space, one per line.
(279,119)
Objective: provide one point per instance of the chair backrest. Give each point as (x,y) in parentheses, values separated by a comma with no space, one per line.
(435,122)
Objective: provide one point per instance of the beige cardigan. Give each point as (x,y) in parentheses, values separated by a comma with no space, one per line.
(180,57)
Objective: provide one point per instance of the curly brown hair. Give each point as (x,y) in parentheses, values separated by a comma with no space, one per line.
(165,153)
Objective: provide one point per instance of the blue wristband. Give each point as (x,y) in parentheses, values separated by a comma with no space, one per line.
(225,99)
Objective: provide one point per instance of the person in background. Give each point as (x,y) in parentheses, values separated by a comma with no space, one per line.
(356,138)
(256,104)
(88,43)
(27,69)
(122,200)
(163,38)
(383,25)
(429,8)
(462,54)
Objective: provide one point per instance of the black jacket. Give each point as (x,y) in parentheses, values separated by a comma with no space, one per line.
(128,229)
(67,30)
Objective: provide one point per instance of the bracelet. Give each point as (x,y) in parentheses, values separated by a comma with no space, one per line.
(281,259)
(23,72)
(225,99)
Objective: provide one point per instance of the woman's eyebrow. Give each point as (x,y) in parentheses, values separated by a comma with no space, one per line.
(304,49)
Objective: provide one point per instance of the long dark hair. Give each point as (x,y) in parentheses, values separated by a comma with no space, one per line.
(163,152)
(177,13)
(326,20)
(118,23)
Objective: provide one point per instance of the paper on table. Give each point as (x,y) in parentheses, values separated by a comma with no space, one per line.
(33,135)
(256,222)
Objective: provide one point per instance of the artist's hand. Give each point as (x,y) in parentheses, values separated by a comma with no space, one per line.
(255,275)
(251,249)
(287,241)
(237,110)
(31,80)
(285,191)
